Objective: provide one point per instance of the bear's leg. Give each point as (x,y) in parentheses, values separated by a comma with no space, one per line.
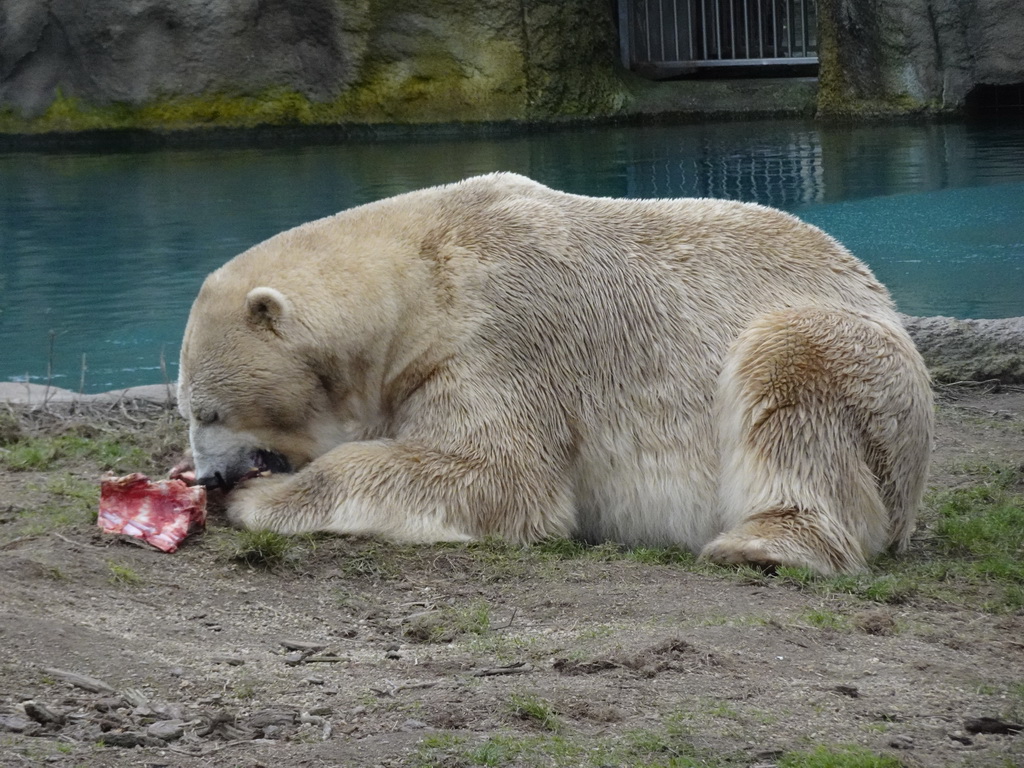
(825,422)
(410,493)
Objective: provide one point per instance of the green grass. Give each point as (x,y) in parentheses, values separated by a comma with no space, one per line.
(838,757)
(123,575)
(64,501)
(822,618)
(262,549)
(971,551)
(50,452)
(533,709)
(667,745)
(449,622)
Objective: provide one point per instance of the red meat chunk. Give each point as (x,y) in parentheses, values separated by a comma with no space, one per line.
(161,513)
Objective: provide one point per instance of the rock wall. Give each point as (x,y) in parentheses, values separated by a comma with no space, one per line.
(72,65)
(68,64)
(904,56)
(970,350)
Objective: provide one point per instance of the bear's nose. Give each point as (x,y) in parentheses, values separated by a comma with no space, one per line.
(214,481)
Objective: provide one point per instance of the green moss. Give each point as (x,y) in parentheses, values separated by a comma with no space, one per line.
(838,99)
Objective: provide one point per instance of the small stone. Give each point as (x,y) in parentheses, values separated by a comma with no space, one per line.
(961,737)
(295,657)
(901,742)
(272,716)
(314,681)
(130,739)
(413,725)
(848,690)
(15,723)
(90,684)
(991,725)
(393,655)
(168,730)
(42,713)
(176,672)
(272,732)
(322,711)
(302,645)
(231,661)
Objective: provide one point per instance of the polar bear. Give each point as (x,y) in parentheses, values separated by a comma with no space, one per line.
(497,358)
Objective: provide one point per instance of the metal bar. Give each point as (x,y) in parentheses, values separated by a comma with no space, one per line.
(746,29)
(803,28)
(775,31)
(691,33)
(647,29)
(760,30)
(675,25)
(625,34)
(732,30)
(718,28)
(682,34)
(704,28)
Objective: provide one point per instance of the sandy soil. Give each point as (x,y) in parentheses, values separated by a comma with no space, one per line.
(355,652)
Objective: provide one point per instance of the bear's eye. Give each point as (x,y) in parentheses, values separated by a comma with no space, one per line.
(207,417)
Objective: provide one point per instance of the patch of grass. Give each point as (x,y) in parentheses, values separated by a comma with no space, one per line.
(533,709)
(667,745)
(885,585)
(972,552)
(822,618)
(838,757)
(507,648)
(44,453)
(447,623)
(123,575)
(642,750)
(11,430)
(660,556)
(1015,698)
(244,690)
(374,561)
(67,501)
(980,534)
(562,549)
(262,549)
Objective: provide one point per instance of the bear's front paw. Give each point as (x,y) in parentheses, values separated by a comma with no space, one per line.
(251,505)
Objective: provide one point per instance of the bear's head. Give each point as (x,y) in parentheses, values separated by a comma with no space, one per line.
(252,385)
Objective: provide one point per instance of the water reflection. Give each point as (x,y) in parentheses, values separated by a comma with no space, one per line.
(108,250)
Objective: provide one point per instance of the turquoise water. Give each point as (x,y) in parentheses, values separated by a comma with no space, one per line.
(102,254)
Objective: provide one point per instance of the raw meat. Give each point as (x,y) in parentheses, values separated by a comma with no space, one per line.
(161,513)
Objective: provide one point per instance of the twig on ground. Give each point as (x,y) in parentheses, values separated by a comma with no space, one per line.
(508,623)
(74,543)
(517,668)
(393,690)
(84,682)
(15,542)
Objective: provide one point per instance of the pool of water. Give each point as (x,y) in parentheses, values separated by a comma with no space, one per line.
(102,254)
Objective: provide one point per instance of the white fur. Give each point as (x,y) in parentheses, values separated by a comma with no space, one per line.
(497,358)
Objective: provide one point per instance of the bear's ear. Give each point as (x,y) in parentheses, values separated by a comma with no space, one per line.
(268,308)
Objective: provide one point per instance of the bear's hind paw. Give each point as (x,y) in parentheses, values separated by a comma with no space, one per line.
(783,538)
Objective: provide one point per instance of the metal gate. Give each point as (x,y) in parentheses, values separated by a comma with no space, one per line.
(669,37)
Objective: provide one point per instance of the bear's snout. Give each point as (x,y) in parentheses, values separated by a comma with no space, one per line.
(260,462)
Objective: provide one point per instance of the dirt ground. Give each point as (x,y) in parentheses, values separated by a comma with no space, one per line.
(356,652)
